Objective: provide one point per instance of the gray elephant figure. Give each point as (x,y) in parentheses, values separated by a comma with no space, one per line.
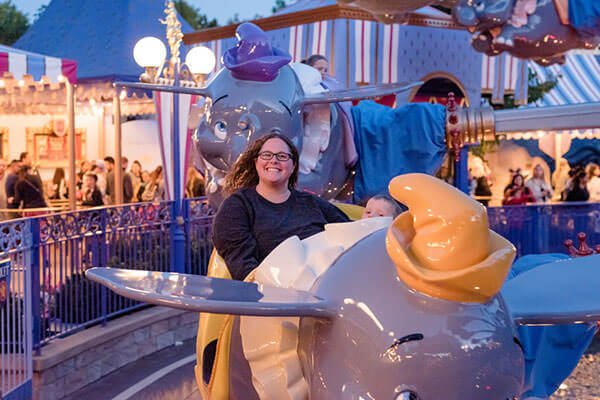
(529,29)
(258,93)
(418,309)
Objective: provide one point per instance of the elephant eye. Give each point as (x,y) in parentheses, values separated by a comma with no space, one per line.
(407,338)
(220,130)
(479,6)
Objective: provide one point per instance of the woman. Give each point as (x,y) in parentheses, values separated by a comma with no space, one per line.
(59,185)
(578,187)
(195,184)
(142,188)
(593,185)
(264,208)
(29,190)
(516,193)
(540,189)
(136,175)
(154,189)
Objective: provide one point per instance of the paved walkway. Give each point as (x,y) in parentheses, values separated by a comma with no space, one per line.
(165,375)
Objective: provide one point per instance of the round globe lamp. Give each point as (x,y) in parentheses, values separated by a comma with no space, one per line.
(201,61)
(149,53)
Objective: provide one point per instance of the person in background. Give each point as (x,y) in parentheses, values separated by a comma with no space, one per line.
(3,175)
(381,205)
(538,185)
(84,168)
(29,189)
(136,176)
(560,178)
(320,63)
(92,197)
(25,159)
(11,183)
(154,190)
(99,170)
(194,186)
(145,181)
(577,189)
(593,184)
(110,180)
(59,189)
(516,193)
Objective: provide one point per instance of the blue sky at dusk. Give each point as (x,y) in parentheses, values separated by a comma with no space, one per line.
(222,10)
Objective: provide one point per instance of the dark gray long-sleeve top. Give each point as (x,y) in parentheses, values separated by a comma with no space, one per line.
(248,227)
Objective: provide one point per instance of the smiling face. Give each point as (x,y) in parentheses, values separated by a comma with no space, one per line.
(274,172)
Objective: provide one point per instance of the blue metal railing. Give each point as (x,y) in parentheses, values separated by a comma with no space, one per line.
(543,228)
(58,248)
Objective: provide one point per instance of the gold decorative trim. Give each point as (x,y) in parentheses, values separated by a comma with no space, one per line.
(332,12)
(445,75)
(32,132)
(4,141)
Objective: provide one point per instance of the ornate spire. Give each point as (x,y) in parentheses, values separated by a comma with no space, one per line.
(174,34)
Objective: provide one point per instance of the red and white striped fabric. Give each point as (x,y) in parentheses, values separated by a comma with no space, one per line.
(19,63)
(296,46)
(164,104)
(362,51)
(319,36)
(489,72)
(391,38)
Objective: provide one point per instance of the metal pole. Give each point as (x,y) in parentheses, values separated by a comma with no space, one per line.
(71,145)
(118,172)
(178,234)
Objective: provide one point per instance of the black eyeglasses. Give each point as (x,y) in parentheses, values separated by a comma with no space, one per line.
(268,155)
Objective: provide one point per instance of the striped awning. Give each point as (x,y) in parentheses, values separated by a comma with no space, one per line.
(578,81)
(23,65)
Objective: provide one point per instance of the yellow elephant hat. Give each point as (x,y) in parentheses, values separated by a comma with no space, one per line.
(442,246)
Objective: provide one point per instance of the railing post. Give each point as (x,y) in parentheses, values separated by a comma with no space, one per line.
(461,171)
(103,261)
(177,240)
(34,265)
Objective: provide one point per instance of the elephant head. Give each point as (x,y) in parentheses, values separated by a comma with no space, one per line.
(529,29)
(483,14)
(258,93)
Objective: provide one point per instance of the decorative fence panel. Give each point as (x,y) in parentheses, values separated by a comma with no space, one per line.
(198,229)
(46,294)
(544,228)
(15,311)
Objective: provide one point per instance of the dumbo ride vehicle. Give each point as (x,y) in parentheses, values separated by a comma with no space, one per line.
(415,308)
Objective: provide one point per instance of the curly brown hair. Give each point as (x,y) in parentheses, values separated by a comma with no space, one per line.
(243,173)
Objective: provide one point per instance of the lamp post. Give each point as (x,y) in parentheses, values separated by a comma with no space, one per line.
(150,53)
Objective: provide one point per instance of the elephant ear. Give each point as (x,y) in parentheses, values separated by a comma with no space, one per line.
(560,292)
(204,91)
(213,295)
(360,93)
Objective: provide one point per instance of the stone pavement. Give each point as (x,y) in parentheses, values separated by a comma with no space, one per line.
(175,385)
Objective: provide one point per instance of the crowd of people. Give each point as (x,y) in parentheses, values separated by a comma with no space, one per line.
(22,188)
(577,183)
